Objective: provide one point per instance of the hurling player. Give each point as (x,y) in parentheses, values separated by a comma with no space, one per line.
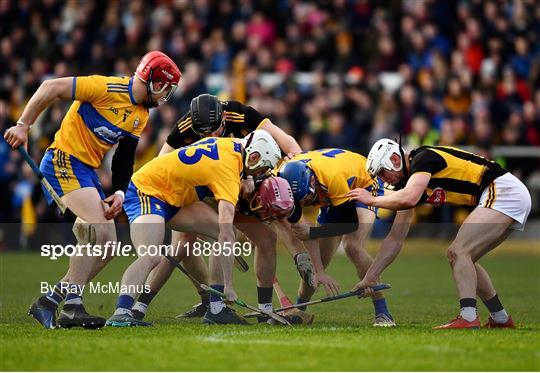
(438,175)
(166,192)
(210,117)
(323,178)
(106,111)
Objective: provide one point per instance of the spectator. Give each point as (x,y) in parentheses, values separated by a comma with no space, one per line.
(464,73)
(421,133)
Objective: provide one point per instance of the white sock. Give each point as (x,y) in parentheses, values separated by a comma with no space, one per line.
(468,313)
(500,317)
(122,311)
(141,307)
(217,306)
(267,307)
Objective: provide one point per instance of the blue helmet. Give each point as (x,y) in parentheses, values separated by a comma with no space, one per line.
(298,174)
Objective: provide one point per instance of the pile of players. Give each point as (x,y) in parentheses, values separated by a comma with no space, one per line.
(224,169)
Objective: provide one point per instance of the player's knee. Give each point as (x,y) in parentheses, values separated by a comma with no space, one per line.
(267,243)
(454,253)
(150,261)
(451,255)
(104,233)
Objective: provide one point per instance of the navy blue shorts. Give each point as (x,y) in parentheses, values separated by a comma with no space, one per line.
(137,203)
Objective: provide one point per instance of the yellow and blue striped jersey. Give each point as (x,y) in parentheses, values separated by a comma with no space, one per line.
(211,166)
(103,111)
(338,171)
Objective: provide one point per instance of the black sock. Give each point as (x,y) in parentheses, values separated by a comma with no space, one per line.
(494,304)
(146,298)
(467,302)
(264,295)
(205,297)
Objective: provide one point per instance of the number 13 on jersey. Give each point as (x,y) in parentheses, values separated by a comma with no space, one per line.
(207,148)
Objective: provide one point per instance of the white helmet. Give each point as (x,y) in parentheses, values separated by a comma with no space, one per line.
(260,141)
(379,157)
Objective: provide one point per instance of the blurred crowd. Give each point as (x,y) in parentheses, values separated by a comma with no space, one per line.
(447,72)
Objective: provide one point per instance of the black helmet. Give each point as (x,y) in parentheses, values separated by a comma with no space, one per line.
(206,114)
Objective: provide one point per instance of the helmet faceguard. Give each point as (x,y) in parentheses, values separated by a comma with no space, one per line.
(273,200)
(379,157)
(206,115)
(261,142)
(157,68)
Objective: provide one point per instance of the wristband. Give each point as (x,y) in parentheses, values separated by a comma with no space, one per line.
(121,194)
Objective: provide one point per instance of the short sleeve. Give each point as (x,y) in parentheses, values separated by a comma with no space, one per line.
(88,88)
(182,134)
(253,118)
(226,189)
(427,161)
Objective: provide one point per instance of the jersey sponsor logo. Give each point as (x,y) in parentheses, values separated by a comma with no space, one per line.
(438,197)
(107,134)
(114,110)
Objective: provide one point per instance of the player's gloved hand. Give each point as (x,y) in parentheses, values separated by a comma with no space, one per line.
(247,187)
(366,286)
(305,268)
(230,294)
(360,195)
(301,231)
(17,135)
(115,202)
(330,285)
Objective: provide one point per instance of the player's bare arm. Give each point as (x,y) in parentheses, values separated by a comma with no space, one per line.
(390,248)
(226,212)
(321,277)
(403,199)
(286,142)
(166,148)
(47,92)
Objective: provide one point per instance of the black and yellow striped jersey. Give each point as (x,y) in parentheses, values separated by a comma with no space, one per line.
(457,177)
(240,120)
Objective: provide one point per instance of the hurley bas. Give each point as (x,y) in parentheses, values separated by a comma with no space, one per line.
(96,288)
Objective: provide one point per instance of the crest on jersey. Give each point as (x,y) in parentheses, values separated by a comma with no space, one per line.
(64,174)
(438,197)
(136,122)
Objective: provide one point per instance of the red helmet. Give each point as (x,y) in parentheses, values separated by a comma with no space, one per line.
(157,67)
(273,199)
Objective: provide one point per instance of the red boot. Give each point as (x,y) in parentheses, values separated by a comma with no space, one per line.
(460,323)
(493,324)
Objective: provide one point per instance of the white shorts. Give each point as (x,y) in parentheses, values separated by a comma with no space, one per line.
(508,195)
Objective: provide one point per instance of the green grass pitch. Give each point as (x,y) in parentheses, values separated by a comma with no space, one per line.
(341,338)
